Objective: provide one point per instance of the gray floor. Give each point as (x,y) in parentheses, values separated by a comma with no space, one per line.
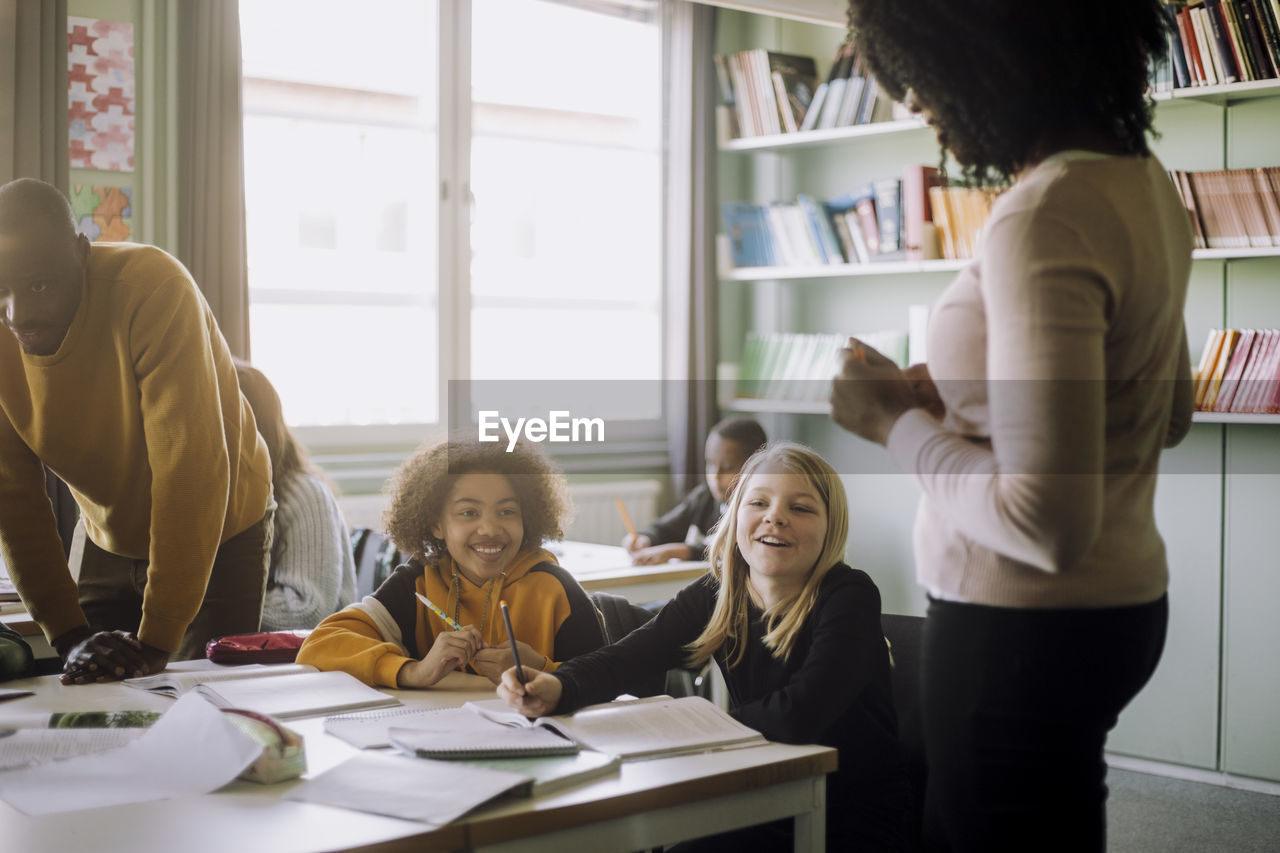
(1156,814)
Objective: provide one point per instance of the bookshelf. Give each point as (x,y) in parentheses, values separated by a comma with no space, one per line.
(1209,704)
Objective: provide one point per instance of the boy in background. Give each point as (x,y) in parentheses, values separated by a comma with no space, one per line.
(681,534)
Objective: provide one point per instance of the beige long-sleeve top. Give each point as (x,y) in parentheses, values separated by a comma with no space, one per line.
(1061,356)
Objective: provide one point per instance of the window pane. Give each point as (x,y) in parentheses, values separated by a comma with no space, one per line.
(341,195)
(566,176)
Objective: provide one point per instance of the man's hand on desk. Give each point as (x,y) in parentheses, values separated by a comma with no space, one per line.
(537,697)
(451,650)
(657,554)
(106,656)
(491,663)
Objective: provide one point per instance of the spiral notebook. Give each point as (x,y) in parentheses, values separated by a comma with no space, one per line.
(458,733)
(368,729)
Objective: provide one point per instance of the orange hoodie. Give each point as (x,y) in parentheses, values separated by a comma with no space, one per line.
(374,638)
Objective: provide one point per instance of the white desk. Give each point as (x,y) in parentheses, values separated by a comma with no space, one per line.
(609,568)
(648,804)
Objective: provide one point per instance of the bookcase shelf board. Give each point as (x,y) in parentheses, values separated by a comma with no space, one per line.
(841,270)
(828,136)
(1234,418)
(792,407)
(1224,94)
(1229,254)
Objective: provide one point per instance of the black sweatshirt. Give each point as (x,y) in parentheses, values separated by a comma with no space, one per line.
(834,690)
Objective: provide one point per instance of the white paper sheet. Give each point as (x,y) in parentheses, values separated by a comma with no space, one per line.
(192,749)
(433,792)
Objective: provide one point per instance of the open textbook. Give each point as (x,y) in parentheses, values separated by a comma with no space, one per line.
(285,691)
(644,728)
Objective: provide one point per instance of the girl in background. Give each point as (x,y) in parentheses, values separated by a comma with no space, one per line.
(312,571)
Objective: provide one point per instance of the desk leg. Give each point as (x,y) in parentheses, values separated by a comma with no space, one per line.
(811,826)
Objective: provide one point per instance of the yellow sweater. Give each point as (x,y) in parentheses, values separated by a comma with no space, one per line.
(373,639)
(140,413)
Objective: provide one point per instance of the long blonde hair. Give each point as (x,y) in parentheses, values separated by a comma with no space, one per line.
(728,623)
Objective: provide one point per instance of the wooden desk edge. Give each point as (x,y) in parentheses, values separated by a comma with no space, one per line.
(515,826)
(629,577)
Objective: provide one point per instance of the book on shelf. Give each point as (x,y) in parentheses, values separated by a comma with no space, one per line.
(285,691)
(653,727)
(1239,372)
(1232,208)
(919,234)
(795,366)
(767,92)
(1214,42)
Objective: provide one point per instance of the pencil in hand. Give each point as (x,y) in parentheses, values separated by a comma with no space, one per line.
(626,517)
(511,635)
(437,611)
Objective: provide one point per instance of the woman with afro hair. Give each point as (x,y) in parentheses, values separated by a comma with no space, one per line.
(1061,359)
(474,517)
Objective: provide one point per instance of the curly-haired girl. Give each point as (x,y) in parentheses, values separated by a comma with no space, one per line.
(474,517)
(1060,356)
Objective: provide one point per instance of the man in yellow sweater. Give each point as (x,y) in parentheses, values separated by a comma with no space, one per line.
(113,373)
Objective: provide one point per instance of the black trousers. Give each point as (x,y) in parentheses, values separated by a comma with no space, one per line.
(1016,706)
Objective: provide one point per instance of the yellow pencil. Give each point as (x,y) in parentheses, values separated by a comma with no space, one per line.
(626,519)
(437,611)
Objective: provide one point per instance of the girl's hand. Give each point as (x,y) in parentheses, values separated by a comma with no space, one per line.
(538,697)
(451,650)
(870,393)
(492,662)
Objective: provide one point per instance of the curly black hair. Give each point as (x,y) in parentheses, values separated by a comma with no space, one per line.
(1001,76)
(419,488)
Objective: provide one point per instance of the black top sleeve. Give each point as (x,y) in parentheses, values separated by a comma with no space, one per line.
(648,651)
(397,595)
(699,507)
(580,633)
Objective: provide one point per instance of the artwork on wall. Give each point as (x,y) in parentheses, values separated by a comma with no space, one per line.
(101,93)
(103,213)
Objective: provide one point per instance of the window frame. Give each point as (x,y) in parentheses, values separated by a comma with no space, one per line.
(453,277)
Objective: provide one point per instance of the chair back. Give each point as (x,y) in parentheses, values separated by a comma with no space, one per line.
(376,558)
(619,617)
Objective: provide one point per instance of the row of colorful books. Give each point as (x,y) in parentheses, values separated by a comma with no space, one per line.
(909,218)
(1239,372)
(799,367)
(765,92)
(1232,208)
(1223,41)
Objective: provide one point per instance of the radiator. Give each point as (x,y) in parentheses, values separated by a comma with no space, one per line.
(595,513)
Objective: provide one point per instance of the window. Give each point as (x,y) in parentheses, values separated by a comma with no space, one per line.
(347,185)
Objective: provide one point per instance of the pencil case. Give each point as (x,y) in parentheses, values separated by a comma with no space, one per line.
(262,647)
(283,756)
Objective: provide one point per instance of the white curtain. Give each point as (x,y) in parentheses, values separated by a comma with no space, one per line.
(210,162)
(690,210)
(33,91)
